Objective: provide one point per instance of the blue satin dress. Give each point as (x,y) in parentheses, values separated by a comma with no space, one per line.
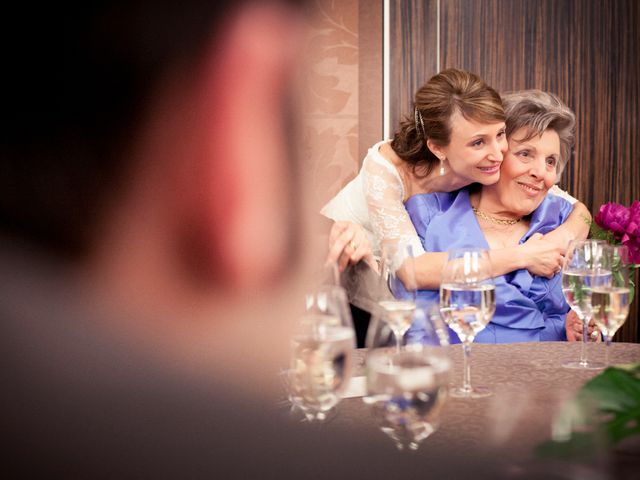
(528,308)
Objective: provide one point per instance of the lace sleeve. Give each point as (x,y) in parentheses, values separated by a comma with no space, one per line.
(384,193)
(555,190)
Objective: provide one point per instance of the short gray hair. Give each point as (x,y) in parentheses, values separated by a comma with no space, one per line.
(538,111)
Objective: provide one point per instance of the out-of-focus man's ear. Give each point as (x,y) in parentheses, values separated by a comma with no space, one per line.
(250,180)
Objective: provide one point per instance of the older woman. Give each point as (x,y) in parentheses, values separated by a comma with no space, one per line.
(456,137)
(508,213)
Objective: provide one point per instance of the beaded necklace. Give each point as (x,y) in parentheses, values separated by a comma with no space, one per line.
(499,221)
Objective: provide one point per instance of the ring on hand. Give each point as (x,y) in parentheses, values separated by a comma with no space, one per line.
(594,334)
(353,245)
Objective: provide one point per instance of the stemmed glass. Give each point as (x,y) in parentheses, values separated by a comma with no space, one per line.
(610,303)
(398,293)
(321,353)
(467,304)
(407,388)
(587,265)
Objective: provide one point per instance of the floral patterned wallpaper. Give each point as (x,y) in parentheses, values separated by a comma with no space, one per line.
(331,119)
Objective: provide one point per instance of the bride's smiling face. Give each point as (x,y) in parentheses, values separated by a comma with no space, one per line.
(528,170)
(475,150)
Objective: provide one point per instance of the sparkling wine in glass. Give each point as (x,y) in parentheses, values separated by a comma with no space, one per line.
(587,266)
(407,388)
(467,304)
(610,303)
(398,294)
(321,353)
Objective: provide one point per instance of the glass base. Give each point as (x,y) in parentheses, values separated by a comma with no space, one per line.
(472,392)
(319,417)
(583,365)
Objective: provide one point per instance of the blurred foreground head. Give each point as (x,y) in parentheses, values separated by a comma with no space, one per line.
(149,146)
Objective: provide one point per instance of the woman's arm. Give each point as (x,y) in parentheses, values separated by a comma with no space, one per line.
(540,255)
(575,227)
(543,255)
(429,268)
(384,193)
(536,253)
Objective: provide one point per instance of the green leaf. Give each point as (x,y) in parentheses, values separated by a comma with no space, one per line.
(605,411)
(599,233)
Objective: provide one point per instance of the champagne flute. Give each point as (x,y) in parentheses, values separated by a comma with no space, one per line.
(467,304)
(587,265)
(398,292)
(322,353)
(610,303)
(407,389)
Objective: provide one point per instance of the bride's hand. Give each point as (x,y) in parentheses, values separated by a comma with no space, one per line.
(348,244)
(543,258)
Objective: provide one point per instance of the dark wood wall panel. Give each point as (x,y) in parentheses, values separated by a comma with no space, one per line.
(585,51)
(413,52)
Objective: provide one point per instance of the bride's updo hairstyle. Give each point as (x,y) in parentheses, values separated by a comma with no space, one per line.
(446,93)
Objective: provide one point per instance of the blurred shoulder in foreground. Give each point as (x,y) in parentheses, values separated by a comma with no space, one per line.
(150,214)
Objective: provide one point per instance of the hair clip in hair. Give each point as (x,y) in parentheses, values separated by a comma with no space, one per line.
(419,122)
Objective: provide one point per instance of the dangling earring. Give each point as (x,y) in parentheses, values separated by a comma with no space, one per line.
(441,166)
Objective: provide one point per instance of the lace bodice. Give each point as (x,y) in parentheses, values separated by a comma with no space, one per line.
(384,194)
(374,200)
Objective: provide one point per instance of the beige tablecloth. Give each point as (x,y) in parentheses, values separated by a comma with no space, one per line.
(529,386)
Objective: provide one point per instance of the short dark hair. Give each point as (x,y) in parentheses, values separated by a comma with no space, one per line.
(76,82)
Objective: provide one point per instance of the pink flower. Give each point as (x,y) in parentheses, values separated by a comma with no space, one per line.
(631,236)
(615,218)
(634,249)
(633,227)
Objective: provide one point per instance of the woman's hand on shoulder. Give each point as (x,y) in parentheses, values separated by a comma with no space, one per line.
(348,244)
(542,257)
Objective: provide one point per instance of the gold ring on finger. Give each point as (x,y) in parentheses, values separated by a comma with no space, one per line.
(353,245)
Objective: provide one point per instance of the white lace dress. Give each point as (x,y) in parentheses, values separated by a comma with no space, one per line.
(374,199)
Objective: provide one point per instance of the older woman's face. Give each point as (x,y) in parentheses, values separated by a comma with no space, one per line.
(528,170)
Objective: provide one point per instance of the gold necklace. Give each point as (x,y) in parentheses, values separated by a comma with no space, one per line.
(499,221)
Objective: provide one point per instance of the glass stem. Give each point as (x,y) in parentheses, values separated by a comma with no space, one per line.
(466,379)
(585,339)
(606,349)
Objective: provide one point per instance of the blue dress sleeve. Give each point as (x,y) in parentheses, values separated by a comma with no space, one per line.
(421,209)
(547,293)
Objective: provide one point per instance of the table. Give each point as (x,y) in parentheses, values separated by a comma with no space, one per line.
(529,387)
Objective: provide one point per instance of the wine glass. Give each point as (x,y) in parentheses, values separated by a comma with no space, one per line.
(407,388)
(398,292)
(327,273)
(610,303)
(321,353)
(467,304)
(587,265)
